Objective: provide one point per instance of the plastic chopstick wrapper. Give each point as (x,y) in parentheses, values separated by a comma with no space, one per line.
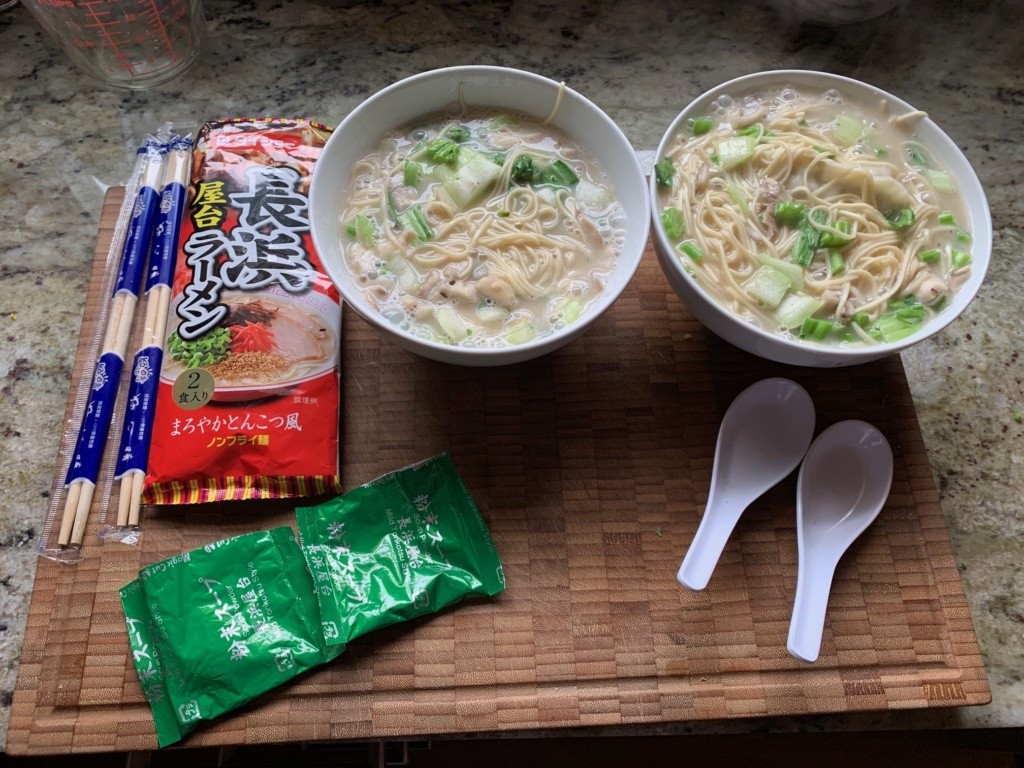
(214,628)
(84,468)
(136,429)
(249,395)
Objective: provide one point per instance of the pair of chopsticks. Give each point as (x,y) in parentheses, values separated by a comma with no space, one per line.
(83,471)
(139,410)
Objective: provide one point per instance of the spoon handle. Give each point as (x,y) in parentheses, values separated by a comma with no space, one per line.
(712,534)
(813,585)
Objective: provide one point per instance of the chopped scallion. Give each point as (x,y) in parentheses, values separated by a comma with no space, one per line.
(672,221)
(789,212)
(415,221)
(946,217)
(900,219)
(959,258)
(962,236)
(701,125)
(664,172)
(816,328)
(411,174)
(932,254)
(862,318)
(835,263)
(444,151)
(838,239)
(458,133)
(690,249)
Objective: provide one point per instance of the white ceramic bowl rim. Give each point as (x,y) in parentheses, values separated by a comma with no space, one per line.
(601,303)
(956,163)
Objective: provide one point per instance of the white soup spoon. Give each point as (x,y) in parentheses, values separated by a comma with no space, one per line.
(842,486)
(764,434)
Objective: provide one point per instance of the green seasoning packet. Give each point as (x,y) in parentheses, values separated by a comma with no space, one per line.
(213,628)
(407,544)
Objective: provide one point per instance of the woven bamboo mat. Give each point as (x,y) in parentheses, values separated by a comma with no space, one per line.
(592,466)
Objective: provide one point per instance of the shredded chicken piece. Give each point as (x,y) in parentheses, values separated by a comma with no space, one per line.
(497,289)
(927,287)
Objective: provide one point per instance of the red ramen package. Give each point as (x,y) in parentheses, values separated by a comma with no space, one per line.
(248,395)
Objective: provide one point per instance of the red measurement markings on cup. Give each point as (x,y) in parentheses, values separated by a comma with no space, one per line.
(128,34)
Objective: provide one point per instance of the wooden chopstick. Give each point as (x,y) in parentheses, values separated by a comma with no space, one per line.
(92,436)
(135,438)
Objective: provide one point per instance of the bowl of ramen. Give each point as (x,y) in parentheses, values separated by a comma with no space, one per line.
(479,215)
(816,220)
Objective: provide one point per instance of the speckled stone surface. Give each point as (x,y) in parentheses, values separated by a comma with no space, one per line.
(64,139)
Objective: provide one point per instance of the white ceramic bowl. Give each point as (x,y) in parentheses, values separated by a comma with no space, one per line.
(794,351)
(511,89)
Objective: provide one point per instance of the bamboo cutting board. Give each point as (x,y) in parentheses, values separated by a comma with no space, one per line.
(592,467)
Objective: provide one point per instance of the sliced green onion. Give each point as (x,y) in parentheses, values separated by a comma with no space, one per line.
(932,254)
(835,263)
(916,154)
(458,133)
(363,229)
(751,130)
(839,238)
(900,219)
(664,172)
(444,151)
(809,240)
(962,236)
(815,328)
(415,221)
(411,173)
(690,249)
(672,221)
(789,212)
(701,125)
(946,217)
(862,318)
(392,210)
(881,151)
(959,258)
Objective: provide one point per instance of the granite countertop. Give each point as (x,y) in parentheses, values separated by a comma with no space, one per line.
(64,139)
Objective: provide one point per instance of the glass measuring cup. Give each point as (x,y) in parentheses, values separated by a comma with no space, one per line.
(126,43)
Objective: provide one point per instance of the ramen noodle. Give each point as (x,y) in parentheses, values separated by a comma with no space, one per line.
(248,395)
(815,216)
(480,228)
